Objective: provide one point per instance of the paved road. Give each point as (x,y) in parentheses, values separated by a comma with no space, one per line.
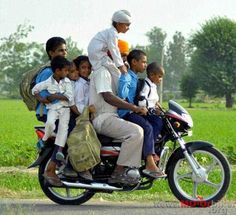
(45,207)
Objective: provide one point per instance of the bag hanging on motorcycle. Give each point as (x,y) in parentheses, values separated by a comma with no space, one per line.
(83,144)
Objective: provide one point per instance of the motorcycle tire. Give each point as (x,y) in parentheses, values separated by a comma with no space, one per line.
(56,194)
(179,183)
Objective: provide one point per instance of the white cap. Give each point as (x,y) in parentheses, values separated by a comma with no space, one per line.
(122,16)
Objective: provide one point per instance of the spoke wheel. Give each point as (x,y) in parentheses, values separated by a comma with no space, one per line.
(63,195)
(202,191)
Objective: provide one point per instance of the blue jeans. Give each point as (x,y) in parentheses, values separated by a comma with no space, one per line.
(156,123)
(148,142)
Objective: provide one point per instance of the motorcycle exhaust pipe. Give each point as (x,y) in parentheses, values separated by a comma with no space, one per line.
(95,186)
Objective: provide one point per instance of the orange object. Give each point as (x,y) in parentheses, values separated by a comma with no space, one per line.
(123,47)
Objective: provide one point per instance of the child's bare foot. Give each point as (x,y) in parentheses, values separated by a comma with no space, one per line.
(156,158)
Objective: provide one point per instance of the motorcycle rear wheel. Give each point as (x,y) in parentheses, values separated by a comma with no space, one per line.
(62,195)
(189,189)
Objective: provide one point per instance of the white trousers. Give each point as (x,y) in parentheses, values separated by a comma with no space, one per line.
(131,136)
(63,114)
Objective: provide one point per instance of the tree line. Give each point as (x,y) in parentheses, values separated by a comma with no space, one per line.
(205,61)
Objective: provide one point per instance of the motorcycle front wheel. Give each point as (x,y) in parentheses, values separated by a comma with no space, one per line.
(62,195)
(195,191)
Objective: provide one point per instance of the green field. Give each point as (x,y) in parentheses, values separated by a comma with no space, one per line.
(17,137)
(212,122)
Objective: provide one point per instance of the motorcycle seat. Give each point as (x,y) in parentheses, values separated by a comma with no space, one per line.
(108,141)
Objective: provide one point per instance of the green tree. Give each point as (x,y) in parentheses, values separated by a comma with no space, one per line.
(16,57)
(214,58)
(176,62)
(189,87)
(73,50)
(156,45)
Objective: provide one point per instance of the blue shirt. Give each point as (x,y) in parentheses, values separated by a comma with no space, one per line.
(42,76)
(127,89)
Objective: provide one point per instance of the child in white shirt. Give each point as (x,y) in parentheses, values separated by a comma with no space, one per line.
(81,94)
(58,105)
(150,98)
(107,40)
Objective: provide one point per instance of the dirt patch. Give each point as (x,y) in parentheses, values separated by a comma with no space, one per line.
(11,169)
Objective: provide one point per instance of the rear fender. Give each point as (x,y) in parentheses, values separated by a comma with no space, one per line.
(41,157)
(190,146)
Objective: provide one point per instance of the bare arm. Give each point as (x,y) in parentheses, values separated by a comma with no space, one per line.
(57,96)
(41,99)
(113,100)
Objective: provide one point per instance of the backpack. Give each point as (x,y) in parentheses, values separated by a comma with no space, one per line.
(27,83)
(140,86)
(83,144)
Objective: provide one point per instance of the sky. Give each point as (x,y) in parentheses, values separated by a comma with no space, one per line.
(82,19)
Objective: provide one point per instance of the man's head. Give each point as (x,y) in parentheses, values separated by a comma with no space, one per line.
(56,46)
(155,72)
(121,20)
(137,60)
(60,66)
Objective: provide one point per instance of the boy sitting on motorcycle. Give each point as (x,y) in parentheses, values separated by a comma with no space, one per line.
(149,98)
(126,90)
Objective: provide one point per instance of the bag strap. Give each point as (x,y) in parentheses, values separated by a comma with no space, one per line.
(148,92)
(149,87)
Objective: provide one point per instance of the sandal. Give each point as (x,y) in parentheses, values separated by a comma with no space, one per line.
(154,174)
(53,180)
(40,145)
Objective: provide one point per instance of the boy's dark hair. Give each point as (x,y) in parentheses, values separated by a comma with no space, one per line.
(82,58)
(154,68)
(135,54)
(53,43)
(114,24)
(59,62)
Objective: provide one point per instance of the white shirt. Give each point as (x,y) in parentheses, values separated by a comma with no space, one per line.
(52,86)
(100,82)
(153,98)
(81,94)
(100,44)
(73,93)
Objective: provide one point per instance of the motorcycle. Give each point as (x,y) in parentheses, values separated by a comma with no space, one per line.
(198,174)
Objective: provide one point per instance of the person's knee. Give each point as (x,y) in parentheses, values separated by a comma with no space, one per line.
(50,124)
(148,128)
(137,133)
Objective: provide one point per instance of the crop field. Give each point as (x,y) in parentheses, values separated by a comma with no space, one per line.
(17,137)
(212,123)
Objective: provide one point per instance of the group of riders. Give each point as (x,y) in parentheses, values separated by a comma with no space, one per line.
(64,89)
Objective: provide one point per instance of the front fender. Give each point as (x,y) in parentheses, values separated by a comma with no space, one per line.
(41,157)
(190,146)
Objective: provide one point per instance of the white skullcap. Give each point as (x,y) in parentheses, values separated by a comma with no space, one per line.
(122,16)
